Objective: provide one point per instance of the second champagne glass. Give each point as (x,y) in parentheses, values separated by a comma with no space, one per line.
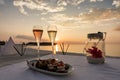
(52,31)
(38,31)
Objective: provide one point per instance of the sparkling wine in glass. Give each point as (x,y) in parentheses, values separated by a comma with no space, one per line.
(38,31)
(52,31)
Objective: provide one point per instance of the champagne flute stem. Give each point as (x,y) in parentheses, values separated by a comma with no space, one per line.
(38,50)
(53,50)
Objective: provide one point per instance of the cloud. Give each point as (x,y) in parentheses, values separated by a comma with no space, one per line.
(40,5)
(95,14)
(2,2)
(96,0)
(71,2)
(116,3)
(62,2)
(76,2)
(44,5)
(23,11)
(64,21)
(94,17)
(62,17)
(26,37)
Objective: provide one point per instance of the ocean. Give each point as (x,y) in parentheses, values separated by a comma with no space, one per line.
(110,49)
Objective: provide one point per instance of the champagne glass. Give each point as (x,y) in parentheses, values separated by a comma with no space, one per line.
(52,31)
(38,31)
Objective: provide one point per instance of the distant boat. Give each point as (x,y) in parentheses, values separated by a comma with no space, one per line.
(41,43)
(2,42)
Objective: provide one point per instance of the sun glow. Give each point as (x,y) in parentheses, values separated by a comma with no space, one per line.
(56,48)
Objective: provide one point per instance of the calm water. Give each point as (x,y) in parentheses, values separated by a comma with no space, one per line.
(111,49)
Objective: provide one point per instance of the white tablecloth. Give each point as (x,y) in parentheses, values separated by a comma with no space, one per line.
(82,70)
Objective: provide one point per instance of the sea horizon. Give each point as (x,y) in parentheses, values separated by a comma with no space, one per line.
(111,49)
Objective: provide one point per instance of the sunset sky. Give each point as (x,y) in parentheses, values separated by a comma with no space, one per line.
(74,19)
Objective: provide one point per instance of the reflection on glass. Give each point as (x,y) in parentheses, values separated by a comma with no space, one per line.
(38,31)
(52,31)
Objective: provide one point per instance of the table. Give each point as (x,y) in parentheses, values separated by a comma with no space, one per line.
(82,70)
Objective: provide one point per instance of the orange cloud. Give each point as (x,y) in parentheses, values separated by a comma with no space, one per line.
(117,28)
(26,37)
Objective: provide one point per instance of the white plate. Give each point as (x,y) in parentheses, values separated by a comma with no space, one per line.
(30,65)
